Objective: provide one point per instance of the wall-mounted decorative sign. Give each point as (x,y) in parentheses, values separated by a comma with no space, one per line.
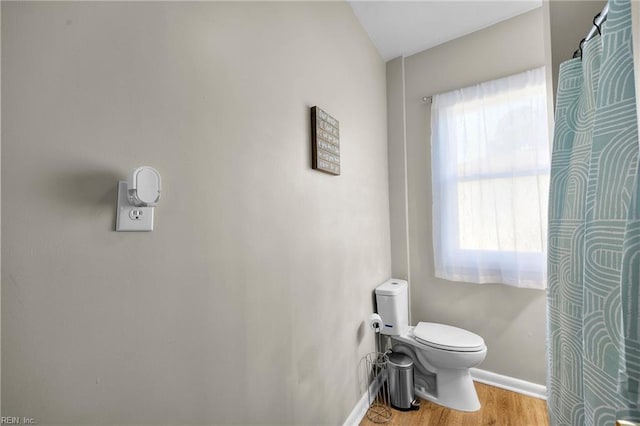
(325,140)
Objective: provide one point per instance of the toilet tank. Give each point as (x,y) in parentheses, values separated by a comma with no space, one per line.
(393,306)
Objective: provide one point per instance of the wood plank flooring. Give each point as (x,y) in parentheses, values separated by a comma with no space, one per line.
(499,408)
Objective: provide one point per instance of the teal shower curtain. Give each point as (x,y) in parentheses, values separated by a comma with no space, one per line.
(594,234)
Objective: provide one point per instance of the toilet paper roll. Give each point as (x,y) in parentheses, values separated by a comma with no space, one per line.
(375,322)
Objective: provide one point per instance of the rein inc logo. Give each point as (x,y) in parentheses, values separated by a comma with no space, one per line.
(6,420)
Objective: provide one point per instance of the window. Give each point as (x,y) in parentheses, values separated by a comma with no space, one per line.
(490,168)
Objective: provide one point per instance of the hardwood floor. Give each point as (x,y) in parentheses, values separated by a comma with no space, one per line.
(499,408)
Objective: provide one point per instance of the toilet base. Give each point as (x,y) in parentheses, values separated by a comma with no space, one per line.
(455,390)
(442,376)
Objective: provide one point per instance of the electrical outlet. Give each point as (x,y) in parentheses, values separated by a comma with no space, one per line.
(135,214)
(131,218)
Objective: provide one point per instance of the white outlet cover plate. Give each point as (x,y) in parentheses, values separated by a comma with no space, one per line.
(124,221)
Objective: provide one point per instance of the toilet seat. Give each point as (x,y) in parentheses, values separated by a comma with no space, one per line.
(446,337)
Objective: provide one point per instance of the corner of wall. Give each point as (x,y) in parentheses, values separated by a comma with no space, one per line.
(0,219)
(397,153)
(548,62)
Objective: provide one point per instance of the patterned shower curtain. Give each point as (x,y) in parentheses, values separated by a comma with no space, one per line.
(594,234)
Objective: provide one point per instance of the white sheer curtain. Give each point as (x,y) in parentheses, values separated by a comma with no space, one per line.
(490,168)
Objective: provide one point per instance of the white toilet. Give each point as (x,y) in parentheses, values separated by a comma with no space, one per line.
(442,354)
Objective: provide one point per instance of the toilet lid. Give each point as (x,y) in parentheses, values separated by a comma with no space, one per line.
(447,337)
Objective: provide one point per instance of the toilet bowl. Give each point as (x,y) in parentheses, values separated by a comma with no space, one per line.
(443,376)
(442,354)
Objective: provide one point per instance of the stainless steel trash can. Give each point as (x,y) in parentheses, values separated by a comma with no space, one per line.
(400,370)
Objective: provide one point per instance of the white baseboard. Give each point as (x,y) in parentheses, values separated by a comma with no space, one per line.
(509,383)
(358,412)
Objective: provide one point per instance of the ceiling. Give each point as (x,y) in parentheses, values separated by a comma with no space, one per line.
(407,27)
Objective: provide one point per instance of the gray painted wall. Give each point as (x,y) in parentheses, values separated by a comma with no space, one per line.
(246,304)
(511,320)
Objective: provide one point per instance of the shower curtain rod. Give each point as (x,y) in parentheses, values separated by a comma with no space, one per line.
(597,22)
(595,28)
